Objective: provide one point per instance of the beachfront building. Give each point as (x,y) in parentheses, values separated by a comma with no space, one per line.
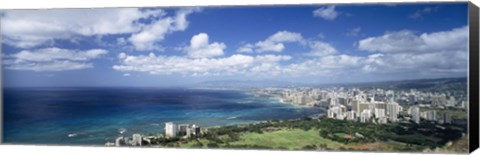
(136,140)
(195,130)
(170,129)
(182,129)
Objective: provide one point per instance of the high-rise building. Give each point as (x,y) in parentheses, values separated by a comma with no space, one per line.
(359,106)
(416,114)
(137,139)
(182,129)
(170,129)
(196,129)
(392,111)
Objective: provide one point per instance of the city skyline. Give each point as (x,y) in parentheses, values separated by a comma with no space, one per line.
(181,46)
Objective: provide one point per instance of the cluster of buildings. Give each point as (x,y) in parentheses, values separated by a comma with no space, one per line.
(373,105)
(365,109)
(171,130)
(135,140)
(184,130)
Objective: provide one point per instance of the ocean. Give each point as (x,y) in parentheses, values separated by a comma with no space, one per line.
(93,116)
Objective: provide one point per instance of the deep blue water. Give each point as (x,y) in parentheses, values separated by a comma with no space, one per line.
(93,116)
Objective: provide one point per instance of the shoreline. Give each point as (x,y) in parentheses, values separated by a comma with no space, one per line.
(272,98)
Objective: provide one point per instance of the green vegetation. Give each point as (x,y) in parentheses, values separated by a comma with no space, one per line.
(323,134)
(289,139)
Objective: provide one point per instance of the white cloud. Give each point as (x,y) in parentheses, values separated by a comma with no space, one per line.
(274,43)
(52,59)
(285,36)
(180,21)
(327,13)
(201,48)
(50,66)
(326,66)
(272,58)
(408,41)
(30,28)
(445,63)
(147,38)
(319,48)
(428,54)
(266,46)
(245,48)
(50,54)
(233,65)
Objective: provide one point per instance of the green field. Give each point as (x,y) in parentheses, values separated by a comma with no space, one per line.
(292,139)
(289,139)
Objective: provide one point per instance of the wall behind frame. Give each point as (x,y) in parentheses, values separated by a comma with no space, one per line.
(1,85)
(473,77)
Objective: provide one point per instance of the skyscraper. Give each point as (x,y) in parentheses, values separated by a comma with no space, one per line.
(137,140)
(170,129)
(416,114)
(182,129)
(196,129)
(392,111)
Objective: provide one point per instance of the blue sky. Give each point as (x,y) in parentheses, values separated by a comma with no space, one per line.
(183,46)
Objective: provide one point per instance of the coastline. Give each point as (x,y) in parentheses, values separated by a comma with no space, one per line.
(274,100)
(271,99)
